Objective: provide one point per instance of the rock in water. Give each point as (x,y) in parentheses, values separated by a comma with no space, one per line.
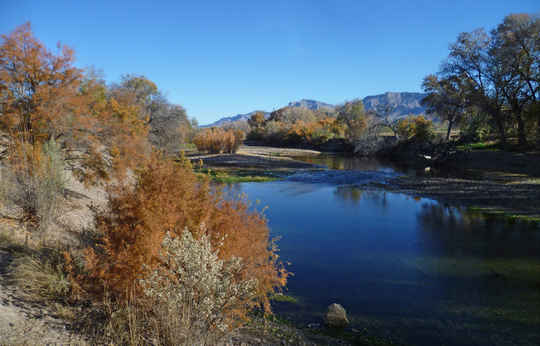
(336,316)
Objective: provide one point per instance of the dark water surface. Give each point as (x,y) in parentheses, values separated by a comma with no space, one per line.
(409,270)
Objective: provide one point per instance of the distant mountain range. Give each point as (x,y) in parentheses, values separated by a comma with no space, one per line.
(237,117)
(404,103)
(310,104)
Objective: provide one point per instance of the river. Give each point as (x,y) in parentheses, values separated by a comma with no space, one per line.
(408,270)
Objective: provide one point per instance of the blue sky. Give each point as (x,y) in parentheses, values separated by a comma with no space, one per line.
(220,58)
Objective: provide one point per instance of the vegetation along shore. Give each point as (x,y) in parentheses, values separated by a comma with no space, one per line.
(395,219)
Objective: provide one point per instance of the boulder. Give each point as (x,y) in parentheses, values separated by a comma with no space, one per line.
(336,316)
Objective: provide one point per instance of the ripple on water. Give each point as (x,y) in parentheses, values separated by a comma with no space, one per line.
(341,177)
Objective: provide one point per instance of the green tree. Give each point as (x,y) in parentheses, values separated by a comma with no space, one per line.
(496,72)
(445,98)
(354,117)
(515,48)
(482,81)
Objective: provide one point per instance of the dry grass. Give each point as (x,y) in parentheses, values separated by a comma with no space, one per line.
(34,180)
(41,276)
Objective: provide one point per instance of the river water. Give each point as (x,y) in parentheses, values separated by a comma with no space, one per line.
(409,270)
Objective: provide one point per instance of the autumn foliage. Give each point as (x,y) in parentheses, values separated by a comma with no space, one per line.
(417,128)
(39,89)
(295,127)
(313,132)
(217,140)
(168,197)
(44,97)
(60,121)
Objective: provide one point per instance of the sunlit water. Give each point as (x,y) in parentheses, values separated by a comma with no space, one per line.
(411,270)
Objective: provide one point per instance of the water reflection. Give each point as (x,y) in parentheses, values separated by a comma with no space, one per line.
(459,230)
(404,264)
(340,162)
(354,163)
(354,195)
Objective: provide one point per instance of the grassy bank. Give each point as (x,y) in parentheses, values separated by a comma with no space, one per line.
(231,176)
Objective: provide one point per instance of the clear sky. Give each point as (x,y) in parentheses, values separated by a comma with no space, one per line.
(219,58)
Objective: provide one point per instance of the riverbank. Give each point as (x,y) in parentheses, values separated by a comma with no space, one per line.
(488,181)
(36,319)
(28,314)
(253,164)
(491,181)
(495,182)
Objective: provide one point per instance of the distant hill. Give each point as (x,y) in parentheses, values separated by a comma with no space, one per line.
(310,104)
(405,103)
(237,117)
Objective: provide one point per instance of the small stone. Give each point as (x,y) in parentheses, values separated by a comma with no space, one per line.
(336,316)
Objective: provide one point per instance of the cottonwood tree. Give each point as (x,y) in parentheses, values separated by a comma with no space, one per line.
(496,73)
(290,115)
(256,121)
(142,92)
(168,125)
(516,49)
(482,81)
(354,117)
(445,98)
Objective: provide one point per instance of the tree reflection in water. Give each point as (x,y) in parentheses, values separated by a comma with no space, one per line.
(458,231)
(354,195)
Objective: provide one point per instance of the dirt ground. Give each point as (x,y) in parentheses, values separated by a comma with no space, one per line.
(29,323)
(258,158)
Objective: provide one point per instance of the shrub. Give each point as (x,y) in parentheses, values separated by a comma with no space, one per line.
(217,140)
(168,197)
(42,275)
(194,294)
(34,180)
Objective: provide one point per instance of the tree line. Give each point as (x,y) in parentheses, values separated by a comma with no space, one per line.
(490,82)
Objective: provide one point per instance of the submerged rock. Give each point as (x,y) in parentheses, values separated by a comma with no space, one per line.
(336,316)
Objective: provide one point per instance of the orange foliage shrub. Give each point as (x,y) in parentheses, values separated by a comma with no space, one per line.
(168,197)
(39,89)
(120,128)
(217,140)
